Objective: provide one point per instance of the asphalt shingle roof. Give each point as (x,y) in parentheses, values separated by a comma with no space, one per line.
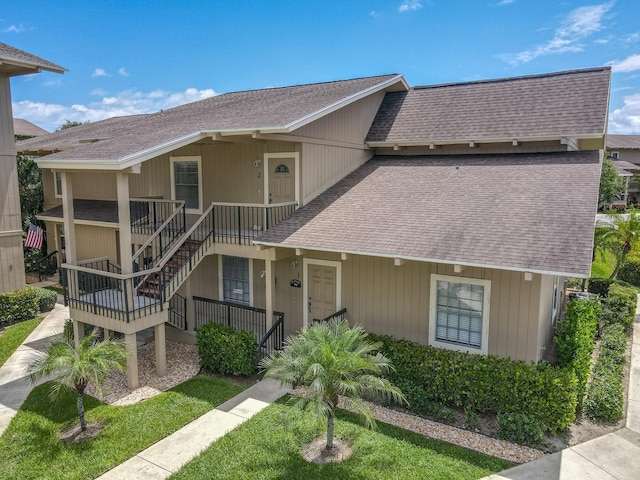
(246,110)
(623,141)
(24,128)
(557,104)
(14,55)
(513,211)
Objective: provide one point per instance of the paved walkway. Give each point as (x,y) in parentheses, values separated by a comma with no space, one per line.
(615,456)
(13,385)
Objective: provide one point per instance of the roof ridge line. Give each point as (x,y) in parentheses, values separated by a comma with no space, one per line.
(509,79)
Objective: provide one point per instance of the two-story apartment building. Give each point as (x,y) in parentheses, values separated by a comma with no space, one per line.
(13,62)
(448,214)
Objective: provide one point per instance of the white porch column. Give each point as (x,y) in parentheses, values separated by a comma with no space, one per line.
(124,222)
(161,349)
(68,212)
(132,360)
(78,332)
(269,279)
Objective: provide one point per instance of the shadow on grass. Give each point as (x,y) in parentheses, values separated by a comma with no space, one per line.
(59,409)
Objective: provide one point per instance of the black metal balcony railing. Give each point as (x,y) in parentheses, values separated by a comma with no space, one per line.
(178,312)
(242,317)
(339,315)
(240,224)
(147,215)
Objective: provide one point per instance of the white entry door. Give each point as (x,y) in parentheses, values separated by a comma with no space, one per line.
(322,292)
(282,177)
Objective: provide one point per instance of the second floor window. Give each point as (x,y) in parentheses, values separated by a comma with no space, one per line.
(186,174)
(57,183)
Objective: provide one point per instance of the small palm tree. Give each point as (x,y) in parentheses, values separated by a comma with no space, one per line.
(619,236)
(76,367)
(332,359)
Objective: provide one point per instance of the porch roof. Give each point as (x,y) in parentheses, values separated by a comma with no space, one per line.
(528,212)
(119,143)
(14,61)
(102,211)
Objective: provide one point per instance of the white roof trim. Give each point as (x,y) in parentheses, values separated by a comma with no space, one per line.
(544,138)
(420,259)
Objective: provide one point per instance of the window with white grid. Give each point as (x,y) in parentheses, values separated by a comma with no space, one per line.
(459,313)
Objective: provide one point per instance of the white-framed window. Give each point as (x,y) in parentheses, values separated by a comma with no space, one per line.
(235,279)
(615,155)
(459,313)
(186,182)
(57,184)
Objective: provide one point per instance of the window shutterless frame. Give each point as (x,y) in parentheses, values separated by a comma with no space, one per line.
(186,182)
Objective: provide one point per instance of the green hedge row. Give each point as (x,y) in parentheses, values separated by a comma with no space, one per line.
(19,305)
(605,394)
(575,340)
(225,350)
(619,306)
(46,298)
(600,286)
(630,272)
(430,377)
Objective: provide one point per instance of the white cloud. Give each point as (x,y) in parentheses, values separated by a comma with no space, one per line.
(408,5)
(100,72)
(629,64)
(128,102)
(579,24)
(626,120)
(123,72)
(14,29)
(502,3)
(632,37)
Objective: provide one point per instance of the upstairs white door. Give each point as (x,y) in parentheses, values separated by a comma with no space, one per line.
(282,175)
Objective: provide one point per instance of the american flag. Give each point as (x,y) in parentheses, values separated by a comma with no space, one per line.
(34,237)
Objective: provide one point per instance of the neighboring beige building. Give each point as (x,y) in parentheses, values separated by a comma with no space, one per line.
(624,150)
(24,129)
(13,62)
(448,215)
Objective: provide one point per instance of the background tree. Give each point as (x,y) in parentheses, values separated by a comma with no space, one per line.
(30,189)
(77,367)
(331,359)
(70,124)
(611,185)
(619,236)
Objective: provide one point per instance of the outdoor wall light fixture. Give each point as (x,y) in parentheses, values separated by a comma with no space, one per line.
(257,162)
(294,264)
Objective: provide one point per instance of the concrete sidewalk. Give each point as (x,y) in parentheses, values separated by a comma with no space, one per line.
(169,455)
(14,387)
(615,456)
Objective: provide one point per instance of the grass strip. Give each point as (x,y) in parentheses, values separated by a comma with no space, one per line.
(13,336)
(264,448)
(31,447)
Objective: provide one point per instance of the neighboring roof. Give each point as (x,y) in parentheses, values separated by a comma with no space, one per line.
(14,61)
(571,103)
(24,128)
(130,140)
(623,168)
(530,212)
(623,141)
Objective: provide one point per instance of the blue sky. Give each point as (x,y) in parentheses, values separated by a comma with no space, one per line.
(128,57)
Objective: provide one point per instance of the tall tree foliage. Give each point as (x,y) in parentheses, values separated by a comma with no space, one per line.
(611,185)
(30,189)
(619,236)
(328,360)
(75,367)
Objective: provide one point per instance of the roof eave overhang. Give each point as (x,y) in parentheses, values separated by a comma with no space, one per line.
(424,259)
(436,142)
(25,68)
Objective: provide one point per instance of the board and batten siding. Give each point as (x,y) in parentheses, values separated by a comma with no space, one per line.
(394,300)
(96,242)
(11,254)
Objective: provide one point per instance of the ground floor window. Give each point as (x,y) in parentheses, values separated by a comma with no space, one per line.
(236,283)
(459,313)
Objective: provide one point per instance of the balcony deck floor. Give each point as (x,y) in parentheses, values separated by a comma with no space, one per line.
(113,299)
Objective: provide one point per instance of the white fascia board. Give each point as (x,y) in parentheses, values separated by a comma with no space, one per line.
(308,248)
(301,122)
(420,143)
(31,66)
(93,223)
(125,162)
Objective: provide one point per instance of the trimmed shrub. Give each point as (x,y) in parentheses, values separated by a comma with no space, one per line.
(600,286)
(619,307)
(19,305)
(630,272)
(520,428)
(605,400)
(575,340)
(226,350)
(46,298)
(431,377)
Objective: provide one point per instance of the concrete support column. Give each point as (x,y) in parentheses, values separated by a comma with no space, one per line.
(270,290)
(161,349)
(68,211)
(132,360)
(78,332)
(108,334)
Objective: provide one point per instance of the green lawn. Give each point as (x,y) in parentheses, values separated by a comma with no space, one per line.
(263,449)
(11,337)
(31,447)
(603,265)
(58,290)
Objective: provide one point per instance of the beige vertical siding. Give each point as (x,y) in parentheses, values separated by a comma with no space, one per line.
(627,154)
(11,263)
(546,322)
(96,242)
